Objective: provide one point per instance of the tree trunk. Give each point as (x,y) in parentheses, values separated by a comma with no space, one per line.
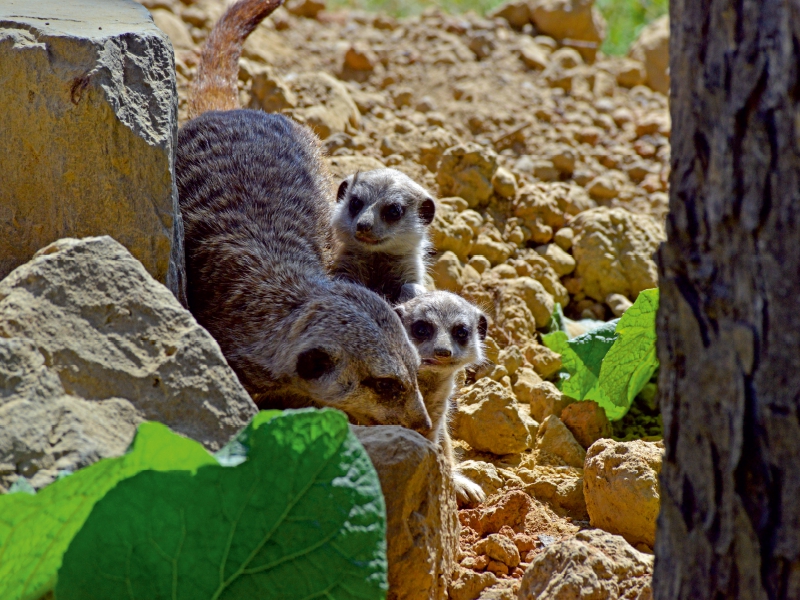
(729,320)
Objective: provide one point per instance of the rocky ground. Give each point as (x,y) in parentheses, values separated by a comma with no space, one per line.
(551,165)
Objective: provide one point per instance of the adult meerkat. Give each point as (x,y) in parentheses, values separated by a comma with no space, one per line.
(380,222)
(448,332)
(254,196)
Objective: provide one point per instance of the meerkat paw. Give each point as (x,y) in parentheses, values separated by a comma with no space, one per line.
(468,493)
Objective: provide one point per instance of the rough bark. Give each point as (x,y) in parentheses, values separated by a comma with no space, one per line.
(729,321)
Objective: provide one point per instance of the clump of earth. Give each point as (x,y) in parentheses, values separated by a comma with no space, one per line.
(550,162)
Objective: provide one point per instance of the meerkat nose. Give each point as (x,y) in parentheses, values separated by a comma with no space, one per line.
(363,226)
(442,353)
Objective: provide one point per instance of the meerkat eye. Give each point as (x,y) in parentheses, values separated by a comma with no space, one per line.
(356,204)
(461,333)
(393,213)
(385,385)
(422,330)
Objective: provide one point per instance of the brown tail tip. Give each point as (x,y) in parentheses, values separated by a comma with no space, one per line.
(215,86)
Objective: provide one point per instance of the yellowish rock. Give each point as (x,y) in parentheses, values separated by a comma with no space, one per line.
(488,420)
(483,473)
(592,564)
(324,104)
(561,262)
(536,298)
(466,170)
(613,249)
(652,49)
(622,489)
(555,445)
(546,362)
(496,251)
(446,272)
(568,19)
(546,399)
(560,487)
(504,183)
(498,547)
(421,522)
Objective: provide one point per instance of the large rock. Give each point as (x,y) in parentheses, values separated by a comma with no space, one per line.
(652,49)
(568,20)
(422,527)
(45,430)
(89,124)
(96,345)
(488,419)
(560,487)
(593,565)
(587,421)
(466,170)
(622,489)
(614,250)
(323,103)
(555,445)
(510,510)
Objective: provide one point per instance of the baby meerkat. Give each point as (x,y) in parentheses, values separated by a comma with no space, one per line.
(380,223)
(448,332)
(255,200)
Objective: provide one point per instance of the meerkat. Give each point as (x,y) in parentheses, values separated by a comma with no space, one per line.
(380,223)
(256,201)
(448,332)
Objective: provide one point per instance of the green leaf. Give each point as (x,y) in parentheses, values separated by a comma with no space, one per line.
(557,320)
(632,360)
(302,517)
(581,358)
(35,530)
(610,365)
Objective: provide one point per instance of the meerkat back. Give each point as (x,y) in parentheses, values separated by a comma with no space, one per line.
(253,193)
(380,222)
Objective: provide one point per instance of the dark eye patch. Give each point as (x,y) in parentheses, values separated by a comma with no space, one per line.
(385,386)
(355,206)
(461,333)
(422,330)
(393,213)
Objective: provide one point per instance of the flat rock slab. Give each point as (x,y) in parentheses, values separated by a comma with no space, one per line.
(91,345)
(89,124)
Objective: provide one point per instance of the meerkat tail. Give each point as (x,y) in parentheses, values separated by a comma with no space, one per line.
(214,87)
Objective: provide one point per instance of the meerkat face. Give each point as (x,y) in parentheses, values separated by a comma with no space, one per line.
(382,211)
(356,356)
(447,331)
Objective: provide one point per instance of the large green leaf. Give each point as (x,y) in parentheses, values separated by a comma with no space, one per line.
(632,360)
(581,358)
(611,364)
(35,530)
(302,517)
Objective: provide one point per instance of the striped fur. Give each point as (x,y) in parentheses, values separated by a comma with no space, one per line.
(255,199)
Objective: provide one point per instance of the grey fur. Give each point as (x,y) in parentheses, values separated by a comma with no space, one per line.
(254,199)
(388,257)
(444,354)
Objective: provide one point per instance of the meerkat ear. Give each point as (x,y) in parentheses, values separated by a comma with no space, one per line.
(427,210)
(314,363)
(483,325)
(342,191)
